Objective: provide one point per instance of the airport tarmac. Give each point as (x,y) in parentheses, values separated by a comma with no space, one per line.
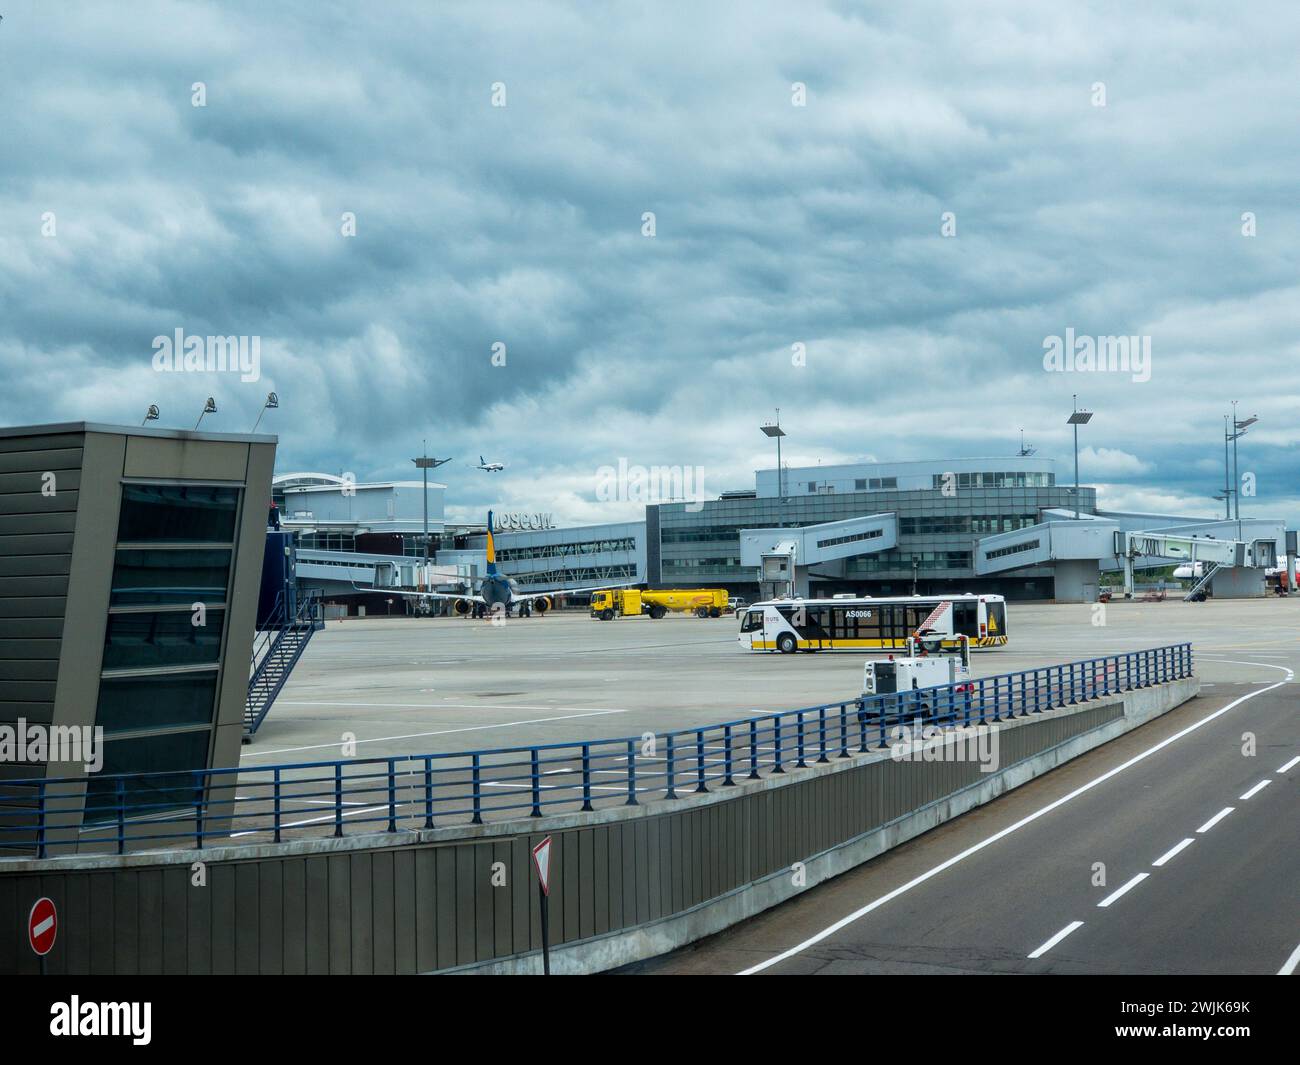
(413,686)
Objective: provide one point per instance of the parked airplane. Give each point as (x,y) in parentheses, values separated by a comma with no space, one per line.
(1190,570)
(490,467)
(498,593)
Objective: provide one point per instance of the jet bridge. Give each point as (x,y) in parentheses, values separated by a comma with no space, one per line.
(1217,554)
(785,556)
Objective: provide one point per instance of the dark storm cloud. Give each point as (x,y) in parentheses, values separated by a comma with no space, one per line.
(776,225)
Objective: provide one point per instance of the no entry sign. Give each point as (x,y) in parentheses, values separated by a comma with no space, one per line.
(42,926)
(542,859)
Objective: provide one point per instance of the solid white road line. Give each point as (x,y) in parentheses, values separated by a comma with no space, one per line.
(1290,765)
(1174,851)
(1289,966)
(1056,939)
(442,732)
(1216,819)
(1122,891)
(1255,790)
(843,922)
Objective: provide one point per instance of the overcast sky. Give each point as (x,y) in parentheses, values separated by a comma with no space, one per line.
(1097,161)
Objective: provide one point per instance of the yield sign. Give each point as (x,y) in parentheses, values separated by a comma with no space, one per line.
(42,926)
(542,860)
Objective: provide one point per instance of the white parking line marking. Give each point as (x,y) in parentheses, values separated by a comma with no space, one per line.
(442,732)
(1255,790)
(862,911)
(309,821)
(1289,966)
(1290,765)
(1056,939)
(1216,819)
(1174,851)
(1122,891)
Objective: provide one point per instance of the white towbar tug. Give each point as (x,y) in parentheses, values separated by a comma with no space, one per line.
(924,666)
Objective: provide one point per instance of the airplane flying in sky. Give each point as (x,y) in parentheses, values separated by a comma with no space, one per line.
(490,467)
(498,593)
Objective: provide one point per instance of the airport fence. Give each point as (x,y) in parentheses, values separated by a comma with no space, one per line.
(223,807)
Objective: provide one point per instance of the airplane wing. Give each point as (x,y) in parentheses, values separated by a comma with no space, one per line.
(521,596)
(472,598)
(468,596)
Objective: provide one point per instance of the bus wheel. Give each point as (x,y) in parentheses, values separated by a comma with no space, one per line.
(785,643)
(701,611)
(607,615)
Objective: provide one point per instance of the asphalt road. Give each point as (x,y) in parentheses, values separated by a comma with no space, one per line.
(1016,886)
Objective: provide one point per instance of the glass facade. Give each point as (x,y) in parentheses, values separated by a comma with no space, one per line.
(141,639)
(339,542)
(564,550)
(994,479)
(169,575)
(173,513)
(937,532)
(161,662)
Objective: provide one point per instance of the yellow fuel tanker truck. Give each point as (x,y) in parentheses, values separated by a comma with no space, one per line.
(655,603)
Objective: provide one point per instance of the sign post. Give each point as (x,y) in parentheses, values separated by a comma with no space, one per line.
(542,863)
(42,928)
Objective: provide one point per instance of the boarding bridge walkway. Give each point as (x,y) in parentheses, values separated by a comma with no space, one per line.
(1100,540)
(356,569)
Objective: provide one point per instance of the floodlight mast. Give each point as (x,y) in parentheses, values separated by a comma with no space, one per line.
(1078,418)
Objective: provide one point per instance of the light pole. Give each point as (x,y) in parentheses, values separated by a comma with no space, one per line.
(210,407)
(1078,418)
(1227,473)
(1239,430)
(272,403)
(424,464)
(775,430)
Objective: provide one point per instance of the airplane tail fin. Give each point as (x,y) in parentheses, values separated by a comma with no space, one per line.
(491,547)
(482,461)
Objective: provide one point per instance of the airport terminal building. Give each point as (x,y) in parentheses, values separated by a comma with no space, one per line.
(1000,525)
(931,514)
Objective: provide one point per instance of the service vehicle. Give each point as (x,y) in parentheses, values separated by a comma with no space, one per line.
(864,623)
(610,603)
(925,667)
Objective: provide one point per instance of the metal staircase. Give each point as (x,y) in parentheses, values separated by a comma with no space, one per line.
(1210,567)
(275,654)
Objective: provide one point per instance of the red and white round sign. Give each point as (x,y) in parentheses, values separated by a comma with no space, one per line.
(42,926)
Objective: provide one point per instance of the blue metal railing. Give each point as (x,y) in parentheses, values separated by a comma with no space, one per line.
(403,792)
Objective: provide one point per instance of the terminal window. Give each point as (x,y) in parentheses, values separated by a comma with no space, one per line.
(161,661)
(1027,545)
(172,513)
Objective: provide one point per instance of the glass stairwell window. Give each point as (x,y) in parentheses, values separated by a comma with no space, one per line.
(160,672)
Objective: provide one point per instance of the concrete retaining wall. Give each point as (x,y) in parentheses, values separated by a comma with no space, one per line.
(627,883)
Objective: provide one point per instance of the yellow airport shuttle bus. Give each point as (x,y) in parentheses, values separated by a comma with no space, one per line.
(655,603)
(849,623)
